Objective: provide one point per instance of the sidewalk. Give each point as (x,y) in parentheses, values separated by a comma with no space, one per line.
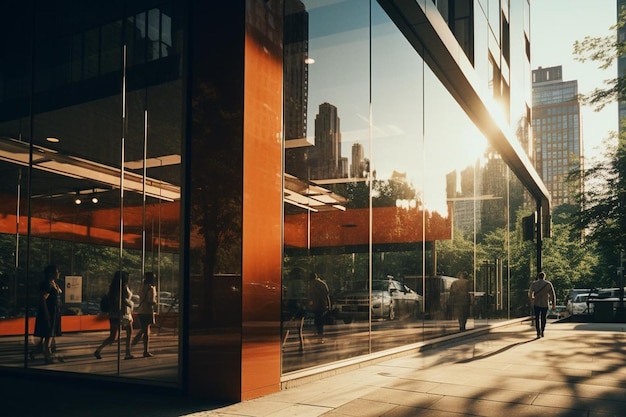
(576,370)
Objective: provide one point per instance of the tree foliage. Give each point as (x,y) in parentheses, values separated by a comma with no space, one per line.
(604,50)
(602,218)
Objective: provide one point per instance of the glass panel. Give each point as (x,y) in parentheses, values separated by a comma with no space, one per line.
(91,53)
(327,181)
(457,188)
(104,197)
(16,309)
(166,35)
(402,207)
(139,41)
(111,47)
(397,189)
(153,34)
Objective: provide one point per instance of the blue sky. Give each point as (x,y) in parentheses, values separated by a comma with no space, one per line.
(555,25)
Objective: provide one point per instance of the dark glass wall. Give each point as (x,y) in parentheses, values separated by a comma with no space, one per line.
(90,145)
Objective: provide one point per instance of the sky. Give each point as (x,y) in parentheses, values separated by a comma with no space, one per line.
(554,27)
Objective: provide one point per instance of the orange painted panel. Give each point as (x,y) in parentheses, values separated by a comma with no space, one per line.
(99,226)
(262,220)
(351,227)
(15,327)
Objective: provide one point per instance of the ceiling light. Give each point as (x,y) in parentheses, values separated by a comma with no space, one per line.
(94,200)
(53,140)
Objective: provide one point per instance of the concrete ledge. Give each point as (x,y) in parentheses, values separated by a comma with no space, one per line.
(298,378)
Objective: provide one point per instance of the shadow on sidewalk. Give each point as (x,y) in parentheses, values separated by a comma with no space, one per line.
(44,395)
(495,352)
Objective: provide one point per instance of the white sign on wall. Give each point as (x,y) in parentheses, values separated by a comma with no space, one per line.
(73,289)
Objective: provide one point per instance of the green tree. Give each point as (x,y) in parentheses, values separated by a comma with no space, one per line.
(604,50)
(602,218)
(456,255)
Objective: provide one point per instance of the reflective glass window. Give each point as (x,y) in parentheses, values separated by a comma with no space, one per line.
(92,187)
(394,197)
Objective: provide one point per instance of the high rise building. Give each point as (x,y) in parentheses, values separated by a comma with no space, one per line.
(325,157)
(296,64)
(556,132)
(296,68)
(358,167)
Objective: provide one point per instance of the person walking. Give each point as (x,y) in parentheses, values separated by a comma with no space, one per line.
(120,313)
(295,305)
(461,299)
(541,293)
(319,303)
(48,319)
(145,312)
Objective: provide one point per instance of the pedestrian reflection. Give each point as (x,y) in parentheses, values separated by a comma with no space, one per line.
(460,298)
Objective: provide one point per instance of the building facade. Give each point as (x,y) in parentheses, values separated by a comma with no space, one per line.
(174,137)
(557,132)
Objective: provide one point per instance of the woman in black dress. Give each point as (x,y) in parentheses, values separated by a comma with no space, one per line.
(48,320)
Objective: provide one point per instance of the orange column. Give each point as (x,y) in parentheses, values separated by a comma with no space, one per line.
(233,250)
(262,207)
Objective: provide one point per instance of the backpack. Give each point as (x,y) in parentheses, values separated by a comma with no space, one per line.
(105,303)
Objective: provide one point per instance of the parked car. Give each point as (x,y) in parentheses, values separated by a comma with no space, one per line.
(573,292)
(580,305)
(390,300)
(605,293)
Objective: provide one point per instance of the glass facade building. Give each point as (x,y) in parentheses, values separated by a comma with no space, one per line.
(556,131)
(239,149)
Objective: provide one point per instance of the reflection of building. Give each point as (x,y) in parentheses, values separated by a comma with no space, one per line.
(295,56)
(358,167)
(466,206)
(194,176)
(477,196)
(325,157)
(556,131)
(295,86)
(495,184)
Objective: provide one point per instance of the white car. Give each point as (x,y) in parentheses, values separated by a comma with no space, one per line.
(579,304)
(390,299)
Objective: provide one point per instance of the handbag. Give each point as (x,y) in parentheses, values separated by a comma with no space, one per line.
(126,321)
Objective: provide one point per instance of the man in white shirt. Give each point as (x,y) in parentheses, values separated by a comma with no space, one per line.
(541,293)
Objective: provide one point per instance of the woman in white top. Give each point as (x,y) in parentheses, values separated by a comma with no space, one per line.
(145,312)
(120,314)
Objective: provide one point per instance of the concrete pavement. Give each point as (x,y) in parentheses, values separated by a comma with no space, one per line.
(577,369)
